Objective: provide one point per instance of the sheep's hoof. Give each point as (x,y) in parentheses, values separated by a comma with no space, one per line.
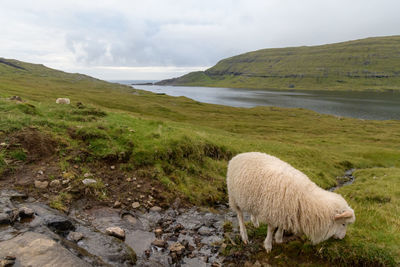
(245,242)
(279,241)
(268,248)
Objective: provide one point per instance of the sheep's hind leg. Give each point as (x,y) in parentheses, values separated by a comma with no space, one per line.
(279,235)
(268,240)
(243,231)
(254,220)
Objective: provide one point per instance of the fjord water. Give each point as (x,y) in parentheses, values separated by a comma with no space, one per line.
(362,105)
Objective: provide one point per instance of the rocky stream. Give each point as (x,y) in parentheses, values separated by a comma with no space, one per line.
(33,234)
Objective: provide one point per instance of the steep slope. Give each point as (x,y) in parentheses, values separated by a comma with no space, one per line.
(372,63)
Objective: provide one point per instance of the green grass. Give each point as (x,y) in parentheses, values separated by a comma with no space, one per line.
(366,64)
(185,145)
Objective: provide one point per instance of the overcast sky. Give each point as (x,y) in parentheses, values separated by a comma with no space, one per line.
(151,39)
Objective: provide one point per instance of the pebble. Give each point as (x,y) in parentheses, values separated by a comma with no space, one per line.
(75,236)
(41,185)
(138,186)
(155,209)
(116,231)
(205,230)
(88,181)
(25,212)
(86,175)
(177,248)
(112,167)
(117,204)
(135,205)
(40,172)
(55,183)
(159,243)
(158,232)
(76,166)
(64,182)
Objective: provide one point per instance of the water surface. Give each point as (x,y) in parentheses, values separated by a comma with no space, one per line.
(363,105)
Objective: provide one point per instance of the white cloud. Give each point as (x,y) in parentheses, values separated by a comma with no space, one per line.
(123,38)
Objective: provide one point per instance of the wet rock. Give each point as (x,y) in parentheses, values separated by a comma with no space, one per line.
(55,183)
(135,205)
(116,231)
(177,248)
(75,236)
(88,181)
(205,230)
(159,243)
(41,185)
(130,218)
(117,204)
(25,212)
(155,209)
(33,249)
(4,218)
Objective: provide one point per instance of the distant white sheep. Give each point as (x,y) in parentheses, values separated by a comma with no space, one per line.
(63,101)
(274,192)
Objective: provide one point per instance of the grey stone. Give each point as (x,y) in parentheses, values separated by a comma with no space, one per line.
(33,249)
(4,218)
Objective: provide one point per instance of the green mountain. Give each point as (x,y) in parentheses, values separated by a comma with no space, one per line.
(372,63)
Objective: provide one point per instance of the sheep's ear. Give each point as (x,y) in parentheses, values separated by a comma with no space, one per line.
(343,215)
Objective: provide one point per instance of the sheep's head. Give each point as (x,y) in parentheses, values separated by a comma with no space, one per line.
(341,220)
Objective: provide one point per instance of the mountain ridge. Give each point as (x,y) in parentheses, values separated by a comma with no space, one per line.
(365,64)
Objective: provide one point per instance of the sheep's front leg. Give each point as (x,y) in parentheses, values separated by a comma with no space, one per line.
(254,220)
(268,240)
(279,235)
(243,231)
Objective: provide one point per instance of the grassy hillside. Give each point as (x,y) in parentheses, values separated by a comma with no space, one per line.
(372,63)
(181,147)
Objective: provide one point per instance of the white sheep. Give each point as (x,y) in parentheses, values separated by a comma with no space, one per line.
(274,192)
(63,101)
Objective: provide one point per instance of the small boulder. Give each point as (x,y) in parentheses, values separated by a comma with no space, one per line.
(41,185)
(116,231)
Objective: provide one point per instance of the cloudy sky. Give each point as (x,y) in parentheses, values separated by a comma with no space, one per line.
(158,39)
